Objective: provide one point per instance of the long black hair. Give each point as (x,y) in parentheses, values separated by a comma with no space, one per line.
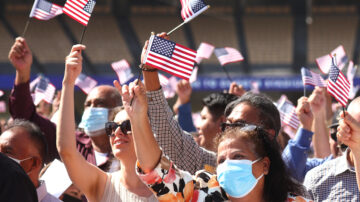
(278,183)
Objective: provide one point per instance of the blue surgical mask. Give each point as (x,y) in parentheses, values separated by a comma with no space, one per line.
(93,120)
(236,178)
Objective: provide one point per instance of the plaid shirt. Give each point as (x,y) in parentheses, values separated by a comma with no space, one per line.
(335,180)
(177,144)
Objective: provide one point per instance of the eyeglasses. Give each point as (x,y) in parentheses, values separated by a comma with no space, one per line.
(111,126)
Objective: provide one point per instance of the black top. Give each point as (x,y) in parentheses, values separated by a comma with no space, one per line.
(15,185)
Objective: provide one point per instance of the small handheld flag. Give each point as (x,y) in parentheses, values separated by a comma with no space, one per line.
(204,51)
(44,10)
(79,10)
(287,113)
(324,62)
(228,55)
(190,10)
(123,71)
(338,86)
(85,83)
(44,90)
(170,57)
(312,78)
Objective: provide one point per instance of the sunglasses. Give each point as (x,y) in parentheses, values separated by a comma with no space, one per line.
(244,127)
(111,126)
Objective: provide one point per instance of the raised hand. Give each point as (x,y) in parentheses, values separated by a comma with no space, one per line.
(237,90)
(73,64)
(303,111)
(349,132)
(318,101)
(139,106)
(20,55)
(183,91)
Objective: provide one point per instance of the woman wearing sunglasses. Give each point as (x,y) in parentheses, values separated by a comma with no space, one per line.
(122,185)
(250,167)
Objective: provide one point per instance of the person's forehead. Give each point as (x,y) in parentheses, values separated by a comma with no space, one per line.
(121,116)
(231,145)
(17,139)
(244,112)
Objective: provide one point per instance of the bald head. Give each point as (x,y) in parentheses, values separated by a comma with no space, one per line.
(103,96)
(354,108)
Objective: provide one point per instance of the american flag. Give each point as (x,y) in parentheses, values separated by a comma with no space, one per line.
(192,8)
(2,106)
(338,86)
(340,55)
(123,71)
(85,83)
(287,113)
(312,78)
(204,51)
(228,55)
(43,10)
(170,57)
(44,90)
(79,10)
(324,62)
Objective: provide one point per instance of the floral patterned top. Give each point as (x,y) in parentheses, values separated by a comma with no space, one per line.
(172,184)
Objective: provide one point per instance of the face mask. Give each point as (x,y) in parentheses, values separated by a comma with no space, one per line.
(236,178)
(93,121)
(19,161)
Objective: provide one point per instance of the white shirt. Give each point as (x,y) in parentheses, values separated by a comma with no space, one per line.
(43,195)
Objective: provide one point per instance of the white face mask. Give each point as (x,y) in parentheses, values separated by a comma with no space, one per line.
(19,161)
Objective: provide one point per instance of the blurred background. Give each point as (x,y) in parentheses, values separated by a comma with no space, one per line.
(275,37)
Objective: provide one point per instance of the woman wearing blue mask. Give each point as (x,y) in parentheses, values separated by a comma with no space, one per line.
(97,185)
(250,167)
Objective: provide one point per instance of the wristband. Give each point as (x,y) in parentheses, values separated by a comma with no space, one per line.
(141,66)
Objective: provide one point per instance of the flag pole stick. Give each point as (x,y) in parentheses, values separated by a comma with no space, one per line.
(82,35)
(177,27)
(304,90)
(343,108)
(26,27)
(227,74)
(138,79)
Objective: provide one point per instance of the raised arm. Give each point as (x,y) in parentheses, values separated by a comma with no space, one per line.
(295,153)
(178,145)
(88,178)
(182,107)
(349,134)
(147,150)
(321,138)
(21,105)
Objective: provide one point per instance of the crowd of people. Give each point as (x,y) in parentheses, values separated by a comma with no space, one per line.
(131,146)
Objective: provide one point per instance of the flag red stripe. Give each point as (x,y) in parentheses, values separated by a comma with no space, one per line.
(168,66)
(152,55)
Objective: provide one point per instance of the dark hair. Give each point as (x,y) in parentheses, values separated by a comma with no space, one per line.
(268,114)
(278,183)
(36,135)
(216,103)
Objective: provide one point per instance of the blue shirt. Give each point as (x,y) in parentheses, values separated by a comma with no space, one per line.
(296,158)
(185,118)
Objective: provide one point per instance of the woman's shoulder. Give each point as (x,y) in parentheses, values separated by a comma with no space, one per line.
(292,197)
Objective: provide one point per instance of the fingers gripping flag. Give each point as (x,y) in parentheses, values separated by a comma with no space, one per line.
(192,8)
(338,86)
(79,10)
(170,57)
(43,10)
